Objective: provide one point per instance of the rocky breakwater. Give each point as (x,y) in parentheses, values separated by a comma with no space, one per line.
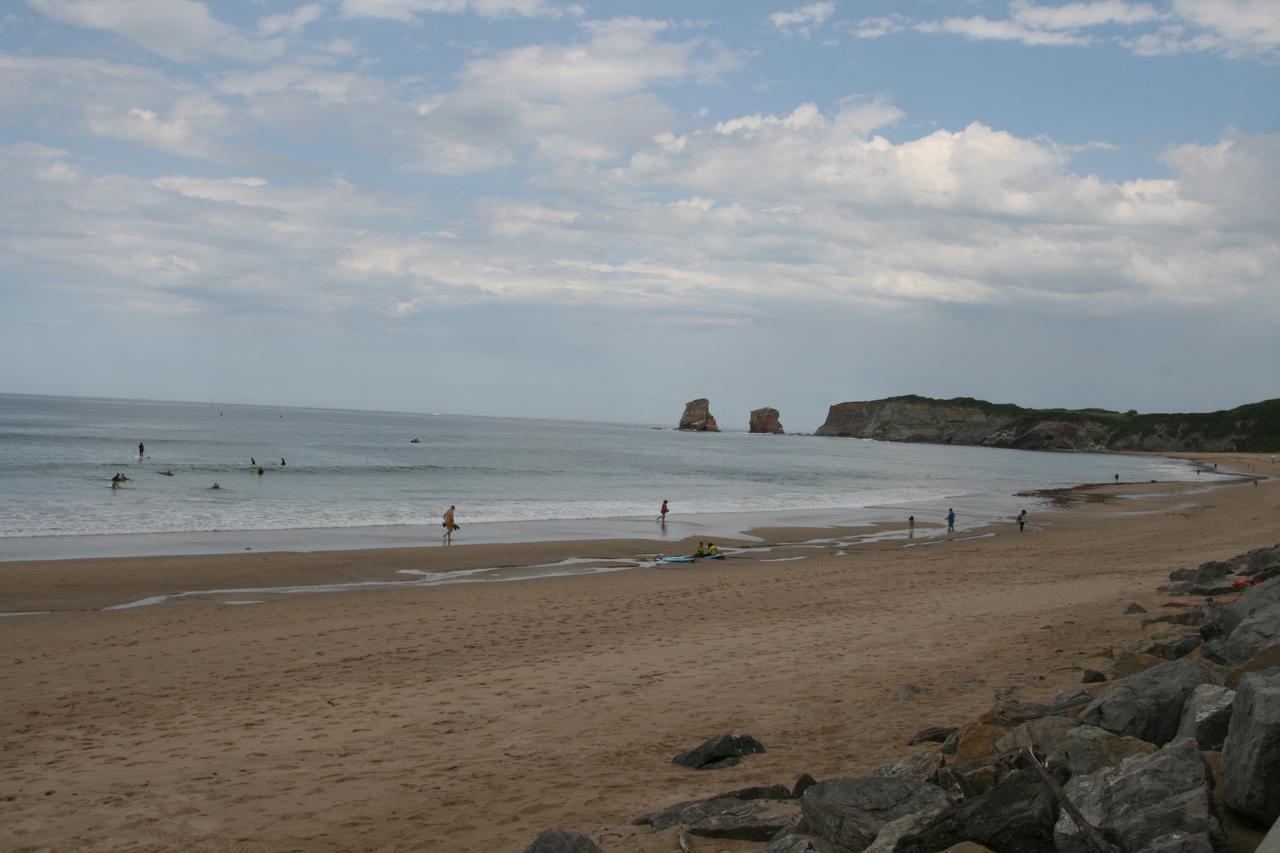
(697,417)
(1175,750)
(766,421)
(964,420)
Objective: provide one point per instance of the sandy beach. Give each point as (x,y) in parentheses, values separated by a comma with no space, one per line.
(469,717)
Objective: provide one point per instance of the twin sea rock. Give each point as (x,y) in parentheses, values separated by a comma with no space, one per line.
(697,417)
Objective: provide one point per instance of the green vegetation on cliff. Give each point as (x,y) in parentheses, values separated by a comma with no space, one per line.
(964,420)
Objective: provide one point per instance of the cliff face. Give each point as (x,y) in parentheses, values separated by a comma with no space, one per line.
(697,417)
(765,420)
(1255,427)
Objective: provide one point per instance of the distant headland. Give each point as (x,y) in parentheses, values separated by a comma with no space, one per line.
(963,420)
(1252,428)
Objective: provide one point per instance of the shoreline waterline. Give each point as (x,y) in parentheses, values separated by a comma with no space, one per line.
(977,510)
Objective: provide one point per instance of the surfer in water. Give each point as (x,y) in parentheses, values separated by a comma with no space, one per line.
(141,450)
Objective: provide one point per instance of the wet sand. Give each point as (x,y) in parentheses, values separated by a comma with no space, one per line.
(470,716)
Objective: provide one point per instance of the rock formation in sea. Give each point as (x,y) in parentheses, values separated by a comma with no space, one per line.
(697,417)
(963,420)
(765,420)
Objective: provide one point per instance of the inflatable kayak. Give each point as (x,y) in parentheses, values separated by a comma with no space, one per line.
(677,559)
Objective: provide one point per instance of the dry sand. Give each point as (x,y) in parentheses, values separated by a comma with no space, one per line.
(470,717)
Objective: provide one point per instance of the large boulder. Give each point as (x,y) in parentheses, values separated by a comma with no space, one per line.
(922,765)
(1251,754)
(791,844)
(697,417)
(1206,715)
(1016,816)
(1149,803)
(750,820)
(720,751)
(851,812)
(893,831)
(1088,749)
(1258,631)
(1046,736)
(560,841)
(1222,621)
(1148,705)
(765,420)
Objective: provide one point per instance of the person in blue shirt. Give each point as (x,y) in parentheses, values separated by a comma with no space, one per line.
(951,520)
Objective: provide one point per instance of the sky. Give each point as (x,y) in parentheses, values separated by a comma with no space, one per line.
(602,210)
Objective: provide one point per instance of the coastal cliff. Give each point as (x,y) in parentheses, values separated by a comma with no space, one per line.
(697,417)
(964,420)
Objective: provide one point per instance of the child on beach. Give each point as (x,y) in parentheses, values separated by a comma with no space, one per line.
(662,513)
(1022,520)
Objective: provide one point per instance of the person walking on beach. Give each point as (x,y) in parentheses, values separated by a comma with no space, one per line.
(1022,520)
(662,513)
(951,520)
(449,525)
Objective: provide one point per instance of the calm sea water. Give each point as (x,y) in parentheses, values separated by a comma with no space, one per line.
(357,469)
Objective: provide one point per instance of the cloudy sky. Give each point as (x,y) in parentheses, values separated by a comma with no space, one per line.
(603,209)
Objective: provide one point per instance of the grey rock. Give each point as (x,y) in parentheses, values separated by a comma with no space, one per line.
(1088,749)
(1190,616)
(1151,799)
(560,841)
(791,844)
(1134,607)
(1175,649)
(1178,842)
(692,811)
(804,783)
(1206,572)
(1016,816)
(1255,632)
(715,752)
(1206,715)
(936,734)
(851,812)
(1260,558)
(1222,621)
(1046,736)
(894,830)
(750,820)
(923,766)
(1148,705)
(757,792)
(1251,754)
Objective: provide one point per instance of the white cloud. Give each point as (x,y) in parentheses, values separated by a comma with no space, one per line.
(803,20)
(174,29)
(979,28)
(408,11)
(290,22)
(1234,28)
(1074,16)
(117,101)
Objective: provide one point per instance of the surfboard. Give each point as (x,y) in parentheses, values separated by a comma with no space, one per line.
(677,559)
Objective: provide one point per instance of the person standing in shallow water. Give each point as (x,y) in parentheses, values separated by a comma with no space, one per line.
(911,527)
(141,450)
(662,513)
(951,520)
(449,524)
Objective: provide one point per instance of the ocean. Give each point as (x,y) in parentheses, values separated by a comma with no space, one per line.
(336,470)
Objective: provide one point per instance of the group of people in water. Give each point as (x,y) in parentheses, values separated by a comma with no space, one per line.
(119,479)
